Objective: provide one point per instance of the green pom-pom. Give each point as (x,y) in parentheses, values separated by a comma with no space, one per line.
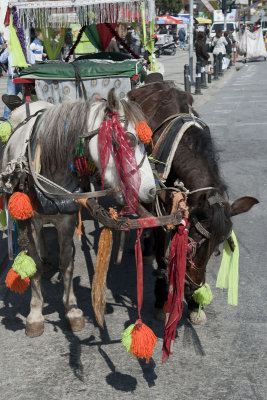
(3,218)
(24,265)
(5,131)
(127,338)
(202,297)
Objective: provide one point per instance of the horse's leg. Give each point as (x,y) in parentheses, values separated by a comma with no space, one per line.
(28,240)
(193,307)
(65,225)
(41,246)
(161,285)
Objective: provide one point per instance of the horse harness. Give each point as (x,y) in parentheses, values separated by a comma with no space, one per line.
(162,159)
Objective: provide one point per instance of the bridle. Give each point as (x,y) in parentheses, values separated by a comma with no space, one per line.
(88,136)
(206,235)
(59,191)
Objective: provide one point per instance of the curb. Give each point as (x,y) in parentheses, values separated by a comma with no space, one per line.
(215,86)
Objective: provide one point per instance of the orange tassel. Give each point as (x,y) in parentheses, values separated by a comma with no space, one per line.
(15,283)
(143,341)
(143,132)
(19,206)
(1,202)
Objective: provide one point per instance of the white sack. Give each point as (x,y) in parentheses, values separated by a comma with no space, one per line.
(252,44)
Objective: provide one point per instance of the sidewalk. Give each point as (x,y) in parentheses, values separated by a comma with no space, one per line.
(174,70)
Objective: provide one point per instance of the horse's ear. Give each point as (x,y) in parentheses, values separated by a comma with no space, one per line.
(243,205)
(113,102)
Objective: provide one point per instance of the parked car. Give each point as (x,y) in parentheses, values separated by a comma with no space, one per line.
(220,26)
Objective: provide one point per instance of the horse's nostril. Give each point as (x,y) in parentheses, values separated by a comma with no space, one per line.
(152,192)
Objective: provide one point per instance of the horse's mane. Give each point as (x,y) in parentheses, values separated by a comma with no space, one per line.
(202,146)
(60,127)
(220,218)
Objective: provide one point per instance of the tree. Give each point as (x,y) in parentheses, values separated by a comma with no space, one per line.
(209,14)
(169,6)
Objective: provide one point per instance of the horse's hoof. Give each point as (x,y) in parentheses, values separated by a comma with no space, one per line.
(159,314)
(198,321)
(34,329)
(75,320)
(148,260)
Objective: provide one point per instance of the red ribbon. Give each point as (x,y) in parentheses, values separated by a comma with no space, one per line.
(176,277)
(139,270)
(112,136)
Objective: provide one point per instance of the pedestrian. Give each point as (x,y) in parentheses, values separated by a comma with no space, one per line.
(12,88)
(201,49)
(2,48)
(207,31)
(68,42)
(133,41)
(55,44)
(182,36)
(37,49)
(232,36)
(112,47)
(136,43)
(228,47)
(219,42)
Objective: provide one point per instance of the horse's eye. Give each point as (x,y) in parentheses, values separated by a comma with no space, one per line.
(133,139)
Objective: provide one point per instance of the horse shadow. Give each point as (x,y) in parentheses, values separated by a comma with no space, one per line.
(123,291)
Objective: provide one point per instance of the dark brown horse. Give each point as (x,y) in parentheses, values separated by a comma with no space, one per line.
(195,164)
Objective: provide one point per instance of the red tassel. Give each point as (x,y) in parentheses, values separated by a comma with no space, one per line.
(176,276)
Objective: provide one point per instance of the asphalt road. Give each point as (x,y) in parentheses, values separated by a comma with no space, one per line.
(225,359)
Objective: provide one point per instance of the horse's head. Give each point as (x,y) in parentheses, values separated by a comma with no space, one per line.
(210,225)
(127,164)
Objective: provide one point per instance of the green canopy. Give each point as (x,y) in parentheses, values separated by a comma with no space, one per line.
(87,68)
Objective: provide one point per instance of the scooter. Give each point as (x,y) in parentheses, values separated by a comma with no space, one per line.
(168,49)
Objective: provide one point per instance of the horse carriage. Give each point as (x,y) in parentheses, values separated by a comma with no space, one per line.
(56,149)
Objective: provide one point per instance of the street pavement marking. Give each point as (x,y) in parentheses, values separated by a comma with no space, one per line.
(223,111)
(230,97)
(250,123)
(249,83)
(217,124)
(229,102)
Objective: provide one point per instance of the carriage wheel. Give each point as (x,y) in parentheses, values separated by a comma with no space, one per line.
(119,246)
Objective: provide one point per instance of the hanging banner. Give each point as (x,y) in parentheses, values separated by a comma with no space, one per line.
(208,5)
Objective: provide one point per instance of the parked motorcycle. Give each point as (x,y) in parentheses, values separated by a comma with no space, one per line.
(168,49)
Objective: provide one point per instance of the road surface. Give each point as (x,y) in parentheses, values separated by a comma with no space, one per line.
(225,359)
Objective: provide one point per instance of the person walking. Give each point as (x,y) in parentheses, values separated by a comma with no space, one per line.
(219,42)
(112,47)
(232,36)
(200,48)
(37,49)
(182,36)
(12,88)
